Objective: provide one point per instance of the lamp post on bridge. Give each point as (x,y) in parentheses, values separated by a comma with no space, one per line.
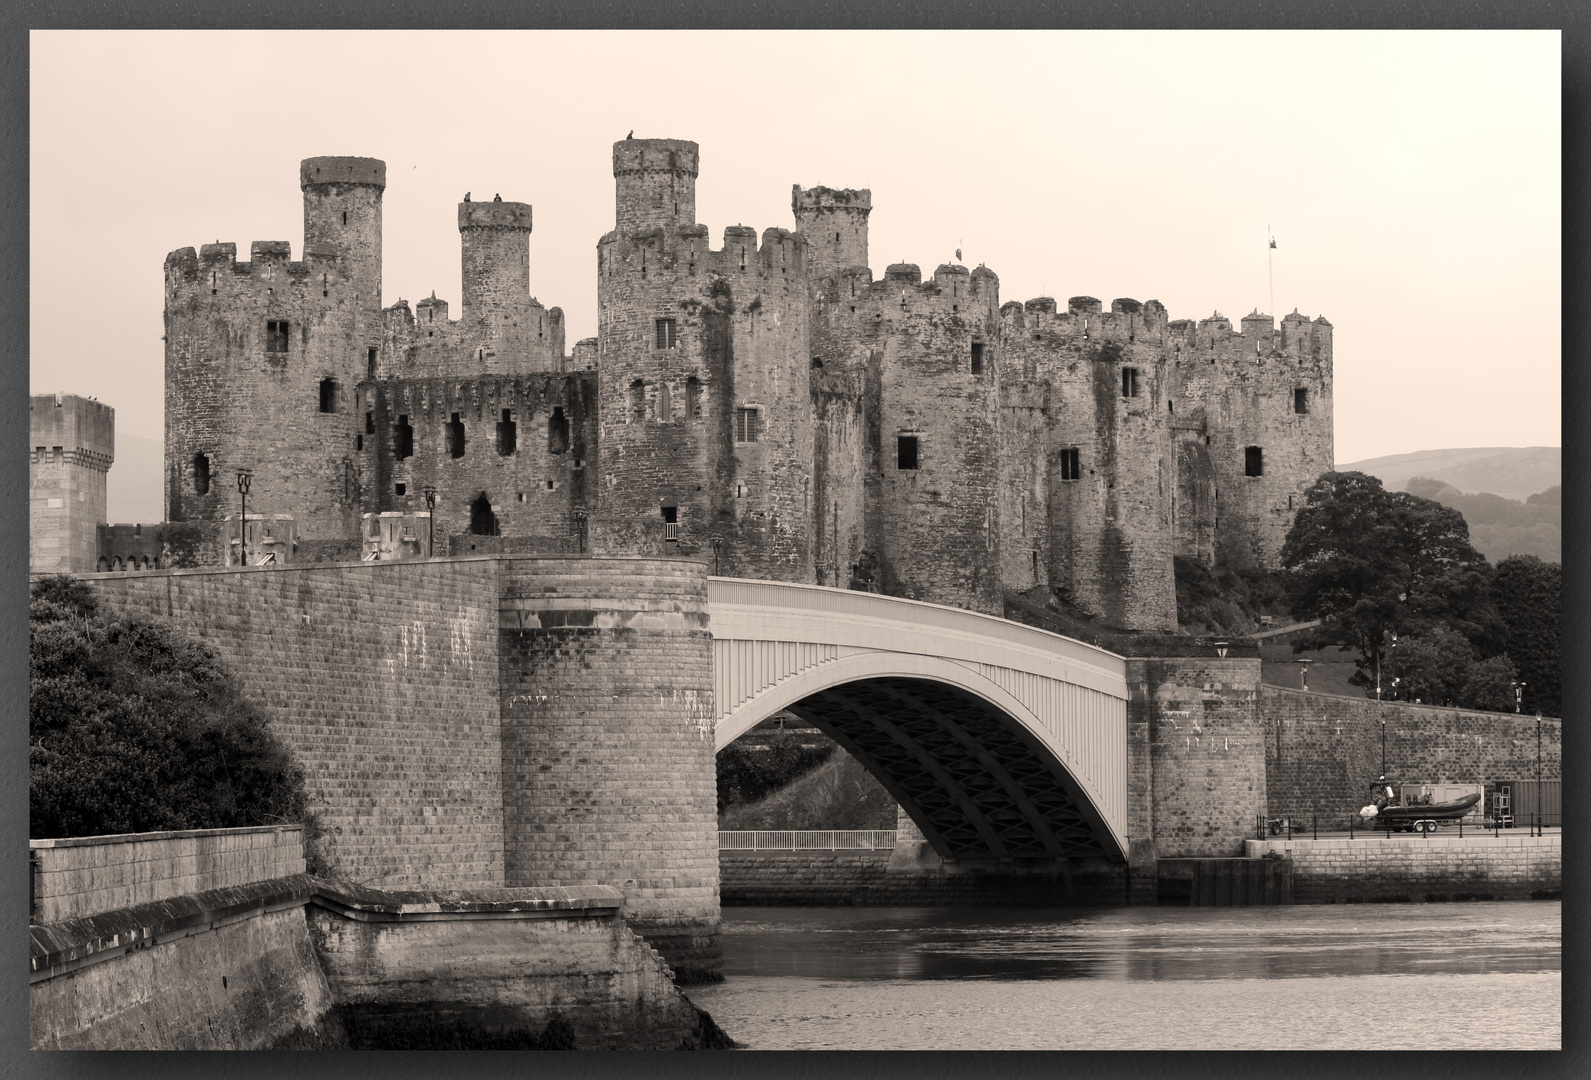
(430,523)
(245,477)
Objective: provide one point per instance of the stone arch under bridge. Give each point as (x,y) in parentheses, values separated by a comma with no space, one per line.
(999,740)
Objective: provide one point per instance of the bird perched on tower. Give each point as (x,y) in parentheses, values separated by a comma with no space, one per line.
(466,196)
(497,198)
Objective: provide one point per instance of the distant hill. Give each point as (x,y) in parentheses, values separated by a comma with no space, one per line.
(1513,472)
(133,489)
(1500,527)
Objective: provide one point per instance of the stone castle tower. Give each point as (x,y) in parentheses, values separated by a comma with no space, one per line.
(72,443)
(766,404)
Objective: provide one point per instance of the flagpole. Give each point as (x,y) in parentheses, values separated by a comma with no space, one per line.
(1270,268)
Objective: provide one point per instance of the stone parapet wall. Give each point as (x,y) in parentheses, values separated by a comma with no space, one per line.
(381,678)
(1323,751)
(1421,868)
(84,875)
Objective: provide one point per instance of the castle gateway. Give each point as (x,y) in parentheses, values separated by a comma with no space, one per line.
(767,405)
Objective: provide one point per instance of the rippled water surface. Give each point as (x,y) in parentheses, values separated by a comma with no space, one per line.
(1384,976)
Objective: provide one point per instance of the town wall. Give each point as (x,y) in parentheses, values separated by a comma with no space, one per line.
(1323,751)
(1425,868)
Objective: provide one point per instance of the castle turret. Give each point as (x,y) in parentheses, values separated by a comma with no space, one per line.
(342,215)
(656,183)
(834,223)
(72,442)
(494,238)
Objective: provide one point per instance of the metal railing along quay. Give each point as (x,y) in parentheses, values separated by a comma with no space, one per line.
(807,840)
(1313,827)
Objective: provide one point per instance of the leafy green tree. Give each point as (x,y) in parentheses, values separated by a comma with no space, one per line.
(135,727)
(1438,667)
(747,774)
(1529,596)
(1371,564)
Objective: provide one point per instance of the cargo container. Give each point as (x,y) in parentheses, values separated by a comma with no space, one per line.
(1519,806)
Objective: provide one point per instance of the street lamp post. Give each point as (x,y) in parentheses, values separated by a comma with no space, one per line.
(430,523)
(1538,770)
(1519,695)
(1383,748)
(244,479)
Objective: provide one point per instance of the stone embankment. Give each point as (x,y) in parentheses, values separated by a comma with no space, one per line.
(217,939)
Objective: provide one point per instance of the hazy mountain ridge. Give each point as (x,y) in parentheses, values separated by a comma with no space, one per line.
(1512,472)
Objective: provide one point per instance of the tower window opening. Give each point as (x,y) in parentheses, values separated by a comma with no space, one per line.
(1129,382)
(201,475)
(276,335)
(1301,400)
(507,434)
(748,425)
(836,238)
(665,404)
(455,437)
(345,217)
(638,400)
(1170,406)
(977,357)
(359,442)
(404,447)
(906,452)
(665,333)
(328,395)
(401,488)
(671,515)
(557,431)
(1071,464)
(324,290)
(817,363)
(693,399)
(370,363)
(1253,461)
(370,423)
(482,521)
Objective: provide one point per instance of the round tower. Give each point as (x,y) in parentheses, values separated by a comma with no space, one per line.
(342,214)
(494,238)
(655,182)
(834,223)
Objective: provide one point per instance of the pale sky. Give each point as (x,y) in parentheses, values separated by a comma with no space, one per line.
(1411,179)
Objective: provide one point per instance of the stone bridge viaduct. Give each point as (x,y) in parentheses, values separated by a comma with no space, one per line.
(544,720)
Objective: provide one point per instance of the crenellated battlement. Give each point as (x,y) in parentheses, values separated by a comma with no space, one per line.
(495,215)
(666,252)
(362,171)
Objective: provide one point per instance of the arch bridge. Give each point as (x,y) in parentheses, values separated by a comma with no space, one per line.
(999,740)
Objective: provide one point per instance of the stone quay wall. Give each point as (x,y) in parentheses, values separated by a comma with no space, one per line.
(1421,868)
(1323,751)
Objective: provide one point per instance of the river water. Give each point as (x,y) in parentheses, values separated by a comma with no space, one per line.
(1381,976)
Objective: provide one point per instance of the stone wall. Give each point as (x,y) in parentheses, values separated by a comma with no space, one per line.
(868,878)
(71,445)
(1196,753)
(608,763)
(1322,751)
(81,875)
(382,680)
(1421,868)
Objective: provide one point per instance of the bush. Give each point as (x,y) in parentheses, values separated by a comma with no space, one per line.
(135,727)
(746,775)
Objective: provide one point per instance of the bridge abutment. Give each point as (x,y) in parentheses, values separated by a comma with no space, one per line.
(607,728)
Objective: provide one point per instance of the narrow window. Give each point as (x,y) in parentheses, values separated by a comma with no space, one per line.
(1253,461)
(370,363)
(665,404)
(507,434)
(328,395)
(906,452)
(638,400)
(201,475)
(665,333)
(482,521)
(693,399)
(671,524)
(977,358)
(405,438)
(359,442)
(1071,464)
(1129,382)
(370,423)
(1301,400)
(276,335)
(345,217)
(324,290)
(748,425)
(557,431)
(817,364)
(401,489)
(455,437)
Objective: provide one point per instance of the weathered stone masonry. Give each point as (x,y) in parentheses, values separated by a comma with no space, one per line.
(766,403)
(484,722)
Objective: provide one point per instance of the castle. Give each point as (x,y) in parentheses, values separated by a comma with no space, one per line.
(767,405)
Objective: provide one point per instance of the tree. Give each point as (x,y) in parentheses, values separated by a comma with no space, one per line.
(135,727)
(1438,666)
(1373,564)
(1529,596)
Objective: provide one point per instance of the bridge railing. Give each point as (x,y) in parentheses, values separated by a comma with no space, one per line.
(806,840)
